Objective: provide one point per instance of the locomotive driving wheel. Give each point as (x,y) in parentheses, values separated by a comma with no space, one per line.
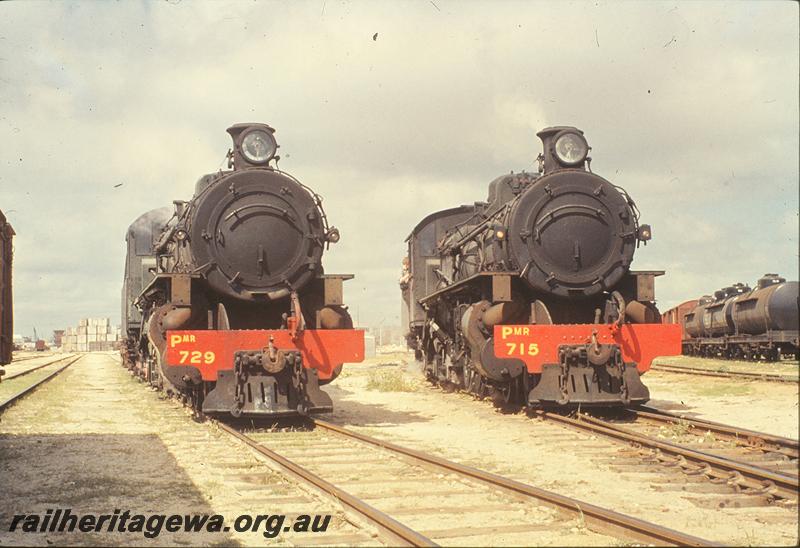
(456,377)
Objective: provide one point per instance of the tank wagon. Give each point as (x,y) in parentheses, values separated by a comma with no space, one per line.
(225,301)
(6,296)
(529,296)
(738,322)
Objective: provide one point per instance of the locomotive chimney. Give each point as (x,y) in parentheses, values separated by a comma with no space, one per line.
(572,148)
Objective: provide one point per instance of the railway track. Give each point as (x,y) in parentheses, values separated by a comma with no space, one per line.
(16,374)
(25,358)
(409,495)
(765,466)
(750,439)
(769,377)
(13,398)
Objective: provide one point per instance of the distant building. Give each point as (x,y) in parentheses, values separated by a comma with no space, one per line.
(369,346)
(58,336)
(386,335)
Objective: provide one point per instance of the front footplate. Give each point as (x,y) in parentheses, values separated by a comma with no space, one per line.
(267,382)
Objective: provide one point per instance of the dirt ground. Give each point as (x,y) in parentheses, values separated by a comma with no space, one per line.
(387,397)
(99,441)
(764,406)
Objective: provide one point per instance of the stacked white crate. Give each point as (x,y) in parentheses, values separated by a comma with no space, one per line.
(91,335)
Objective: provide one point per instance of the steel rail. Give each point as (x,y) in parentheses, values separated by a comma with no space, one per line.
(604,520)
(26,358)
(397,533)
(743,436)
(746,475)
(36,368)
(770,377)
(12,399)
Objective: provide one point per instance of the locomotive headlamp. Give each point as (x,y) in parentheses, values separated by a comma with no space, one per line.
(571,148)
(259,146)
(499,234)
(333,235)
(645,233)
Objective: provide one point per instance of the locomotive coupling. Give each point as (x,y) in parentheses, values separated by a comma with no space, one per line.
(271,360)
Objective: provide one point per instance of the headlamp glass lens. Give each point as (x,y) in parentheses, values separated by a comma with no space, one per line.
(258,147)
(571,149)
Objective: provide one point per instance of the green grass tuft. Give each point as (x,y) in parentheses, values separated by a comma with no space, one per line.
(384,380)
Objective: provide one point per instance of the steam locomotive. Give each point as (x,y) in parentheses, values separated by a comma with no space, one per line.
(742,323)
(225,302)
(529,296)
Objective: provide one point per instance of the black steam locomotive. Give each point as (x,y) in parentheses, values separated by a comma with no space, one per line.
(225,301)
(529,296)
(745,324)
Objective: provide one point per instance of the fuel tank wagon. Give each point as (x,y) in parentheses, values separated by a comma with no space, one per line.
(225,299)
(529,296)
(743,323)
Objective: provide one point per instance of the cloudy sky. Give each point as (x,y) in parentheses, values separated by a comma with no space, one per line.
(692,107)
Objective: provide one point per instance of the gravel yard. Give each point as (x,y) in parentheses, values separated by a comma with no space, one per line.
(102,441)
(387,397)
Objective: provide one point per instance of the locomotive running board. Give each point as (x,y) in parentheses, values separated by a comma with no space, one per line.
(466,283)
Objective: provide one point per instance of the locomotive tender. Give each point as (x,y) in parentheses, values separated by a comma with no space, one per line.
(743,323)
(225,301)
(529,296)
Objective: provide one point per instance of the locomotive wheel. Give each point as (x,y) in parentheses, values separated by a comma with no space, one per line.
(457,377)
(772,355)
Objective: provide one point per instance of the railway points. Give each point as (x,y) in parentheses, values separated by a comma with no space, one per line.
(758,479)
(530,455)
